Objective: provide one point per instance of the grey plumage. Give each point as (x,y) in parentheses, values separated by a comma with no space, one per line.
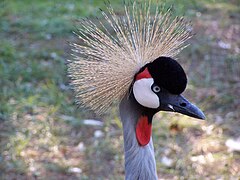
(139,161)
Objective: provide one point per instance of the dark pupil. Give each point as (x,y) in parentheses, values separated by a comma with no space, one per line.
(156,89)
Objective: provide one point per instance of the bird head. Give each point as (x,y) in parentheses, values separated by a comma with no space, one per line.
(103,67)
(159,85)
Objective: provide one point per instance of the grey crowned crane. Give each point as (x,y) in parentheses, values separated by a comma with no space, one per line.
(130,59)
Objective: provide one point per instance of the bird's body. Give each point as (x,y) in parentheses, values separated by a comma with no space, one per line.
(134,65)
(139,160)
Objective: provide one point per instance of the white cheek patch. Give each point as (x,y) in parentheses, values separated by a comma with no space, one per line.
(143,93)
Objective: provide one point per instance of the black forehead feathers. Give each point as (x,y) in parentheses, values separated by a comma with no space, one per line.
(169,74)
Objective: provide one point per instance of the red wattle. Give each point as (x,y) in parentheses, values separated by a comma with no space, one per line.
(143,131)
(143,74)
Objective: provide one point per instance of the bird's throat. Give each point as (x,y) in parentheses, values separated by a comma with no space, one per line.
(143,130)
(138,146)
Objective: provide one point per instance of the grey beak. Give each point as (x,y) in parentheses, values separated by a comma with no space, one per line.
(177,103)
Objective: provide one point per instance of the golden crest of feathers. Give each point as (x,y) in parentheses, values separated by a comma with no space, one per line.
(112,50)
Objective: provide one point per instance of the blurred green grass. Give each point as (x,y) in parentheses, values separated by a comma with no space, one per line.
(41,132)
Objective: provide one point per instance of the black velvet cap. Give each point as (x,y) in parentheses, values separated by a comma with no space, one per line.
(168,74)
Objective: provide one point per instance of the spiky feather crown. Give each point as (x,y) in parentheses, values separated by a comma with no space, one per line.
(114,49)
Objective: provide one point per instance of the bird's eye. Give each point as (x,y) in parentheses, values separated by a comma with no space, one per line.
(156,88)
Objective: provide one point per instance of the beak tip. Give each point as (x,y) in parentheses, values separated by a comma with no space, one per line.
(202,116)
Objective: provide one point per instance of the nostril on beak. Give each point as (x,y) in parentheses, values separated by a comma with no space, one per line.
(183,104)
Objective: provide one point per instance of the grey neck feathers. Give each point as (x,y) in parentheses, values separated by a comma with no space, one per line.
(139,160)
